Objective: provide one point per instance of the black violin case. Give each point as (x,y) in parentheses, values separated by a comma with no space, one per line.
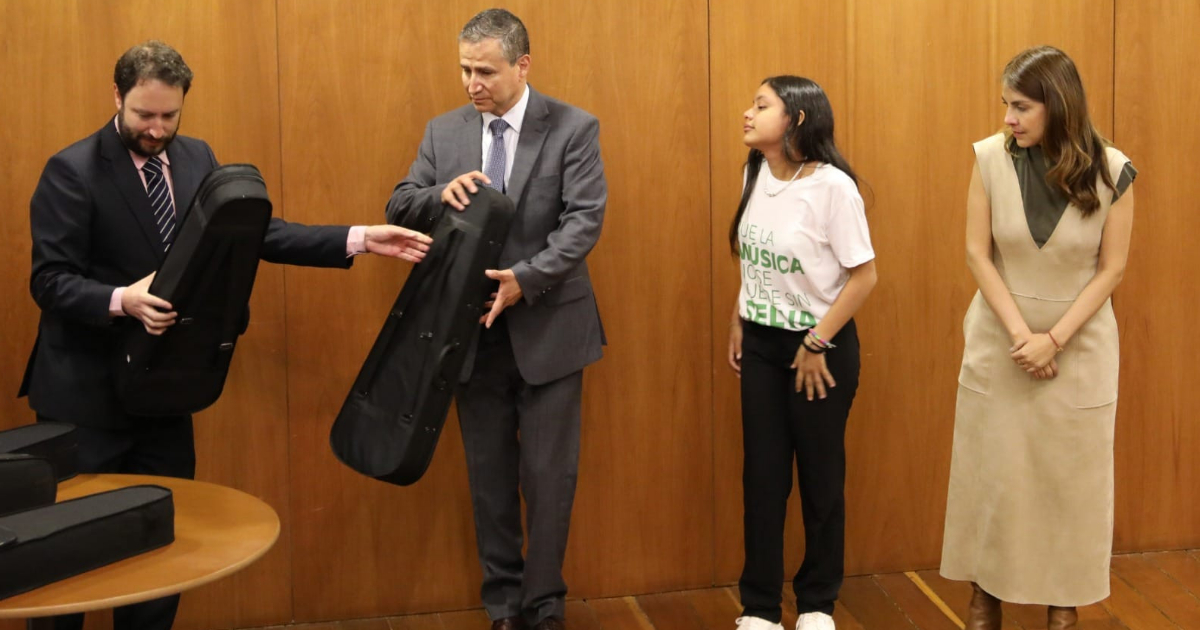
(207,276)
(52,441)
(390,422)
(46,544)
(26,482)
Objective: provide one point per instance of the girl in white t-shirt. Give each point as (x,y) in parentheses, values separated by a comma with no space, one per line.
(801,238)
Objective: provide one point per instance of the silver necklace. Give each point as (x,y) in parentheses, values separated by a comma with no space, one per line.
(789,182)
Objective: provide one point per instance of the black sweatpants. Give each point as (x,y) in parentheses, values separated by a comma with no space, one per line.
(780,426)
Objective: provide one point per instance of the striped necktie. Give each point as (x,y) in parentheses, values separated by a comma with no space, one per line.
(497,156)
(160,200)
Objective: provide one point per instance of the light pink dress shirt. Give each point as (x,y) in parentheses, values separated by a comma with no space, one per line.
(356,240)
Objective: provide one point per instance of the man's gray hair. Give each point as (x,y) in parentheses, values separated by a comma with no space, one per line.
(498,24)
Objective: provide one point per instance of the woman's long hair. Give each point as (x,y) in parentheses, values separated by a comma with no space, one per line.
(1071,143)
(812,140)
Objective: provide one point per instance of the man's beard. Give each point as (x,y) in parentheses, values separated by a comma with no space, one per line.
(134,140)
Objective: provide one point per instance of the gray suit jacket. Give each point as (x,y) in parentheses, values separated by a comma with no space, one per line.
(557,184)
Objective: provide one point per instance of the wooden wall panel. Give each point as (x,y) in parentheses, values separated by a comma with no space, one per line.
(645,486)
(1158,128)
(744,52)
(645,475)
(59,64)
(56,122)
(46,129)
(921,92)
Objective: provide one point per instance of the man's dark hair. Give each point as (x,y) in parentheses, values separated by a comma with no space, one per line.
(498,24)
(151,60)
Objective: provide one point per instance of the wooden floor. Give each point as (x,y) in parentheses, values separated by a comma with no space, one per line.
(1150,591)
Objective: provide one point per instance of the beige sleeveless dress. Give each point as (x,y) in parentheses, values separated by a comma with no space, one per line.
(1029,513)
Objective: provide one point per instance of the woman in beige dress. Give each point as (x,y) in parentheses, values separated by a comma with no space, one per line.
(1029,512)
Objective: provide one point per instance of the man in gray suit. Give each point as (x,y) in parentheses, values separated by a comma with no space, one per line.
(519,404)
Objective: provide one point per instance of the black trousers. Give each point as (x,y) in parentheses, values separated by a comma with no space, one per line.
(779,427)
(148,446)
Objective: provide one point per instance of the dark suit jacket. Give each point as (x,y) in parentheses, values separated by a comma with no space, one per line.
(558,186)
(93,231)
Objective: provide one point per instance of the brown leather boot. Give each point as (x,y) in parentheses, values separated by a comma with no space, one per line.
(985,611)
(1061,618)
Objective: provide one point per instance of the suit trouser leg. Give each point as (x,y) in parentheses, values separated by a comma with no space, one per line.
(520,438)
(550,427)
(487,416)
(152,446)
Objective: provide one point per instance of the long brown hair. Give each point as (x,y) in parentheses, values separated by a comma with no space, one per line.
(1071,143)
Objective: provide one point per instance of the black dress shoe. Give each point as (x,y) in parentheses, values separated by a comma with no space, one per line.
(550,623)
(508,623)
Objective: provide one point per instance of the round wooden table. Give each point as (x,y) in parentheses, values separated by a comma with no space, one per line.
(218,531)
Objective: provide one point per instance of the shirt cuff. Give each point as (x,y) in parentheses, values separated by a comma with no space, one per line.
(356,241)
(114,303)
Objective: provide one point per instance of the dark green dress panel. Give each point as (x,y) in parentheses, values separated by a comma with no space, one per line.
(1045,204)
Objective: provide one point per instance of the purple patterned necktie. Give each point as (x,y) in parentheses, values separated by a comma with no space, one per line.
(497,156)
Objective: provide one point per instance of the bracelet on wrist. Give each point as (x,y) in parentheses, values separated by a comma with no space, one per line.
(1054,341)
(813,349)
(818,340)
